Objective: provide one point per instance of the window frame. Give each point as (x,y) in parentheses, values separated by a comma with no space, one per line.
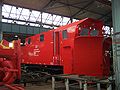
(42,38)
(83,32)
(94,32)
(64,34)
(29,41)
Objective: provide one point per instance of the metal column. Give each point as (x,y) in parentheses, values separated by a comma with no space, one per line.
(85,86)
(67,84)
(98,86)
(41,20)
(80,84)
(116,41)
(53,83)
(1,20)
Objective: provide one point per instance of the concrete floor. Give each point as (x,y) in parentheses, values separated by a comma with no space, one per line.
(47,86)
(34,87)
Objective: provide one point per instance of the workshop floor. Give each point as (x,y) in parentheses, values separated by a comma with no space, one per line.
(45,87)
(48,87)
(39,86)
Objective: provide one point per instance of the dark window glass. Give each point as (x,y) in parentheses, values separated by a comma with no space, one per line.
(84,32)
(64,34)
(94,32)
(42,37)
(23,42)
(29,40)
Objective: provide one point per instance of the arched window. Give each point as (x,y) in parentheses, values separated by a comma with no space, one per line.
(84,32)
(94,32)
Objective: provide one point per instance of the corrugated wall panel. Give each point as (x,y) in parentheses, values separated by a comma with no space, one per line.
(25,29)
(22,29)
(36,30)
(30,30)
(6,27)
(15,28)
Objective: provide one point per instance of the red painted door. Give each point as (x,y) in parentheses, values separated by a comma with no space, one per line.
(56,48)
(67,59)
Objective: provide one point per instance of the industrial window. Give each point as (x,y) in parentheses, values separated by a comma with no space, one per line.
(22,42)
(29,40)
(42,37)
(94,32)
(64,34)
(84,32)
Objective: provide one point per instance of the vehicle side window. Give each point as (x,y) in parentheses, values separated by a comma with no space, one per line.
(22,42)
(94,32)
(29,40)
(42,37)
(64,34)
(84,32)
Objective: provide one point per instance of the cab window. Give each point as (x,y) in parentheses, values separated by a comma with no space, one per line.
(84,32)
(29,40)
(64,34)
(94,32)
(42,37)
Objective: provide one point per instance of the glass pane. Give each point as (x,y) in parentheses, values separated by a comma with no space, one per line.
(84,32)
(42,37)
(94,33)
(64,34)
(29,40)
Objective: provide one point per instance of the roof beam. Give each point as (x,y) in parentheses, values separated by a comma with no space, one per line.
(41,10)
(65,5)
(29,16)
(82,8)
(30,22)
(20,13)
(50,2)
(106,2)
(10,11)
(48,16)
(47,4)
(105,15)
(38,16)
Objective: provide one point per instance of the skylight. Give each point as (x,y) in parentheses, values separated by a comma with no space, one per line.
(25,16)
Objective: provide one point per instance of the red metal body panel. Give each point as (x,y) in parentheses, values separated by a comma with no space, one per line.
(34,53)
(90,56)
(10,63)
(67,47)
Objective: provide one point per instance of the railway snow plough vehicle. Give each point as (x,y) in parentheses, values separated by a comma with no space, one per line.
(77,48)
